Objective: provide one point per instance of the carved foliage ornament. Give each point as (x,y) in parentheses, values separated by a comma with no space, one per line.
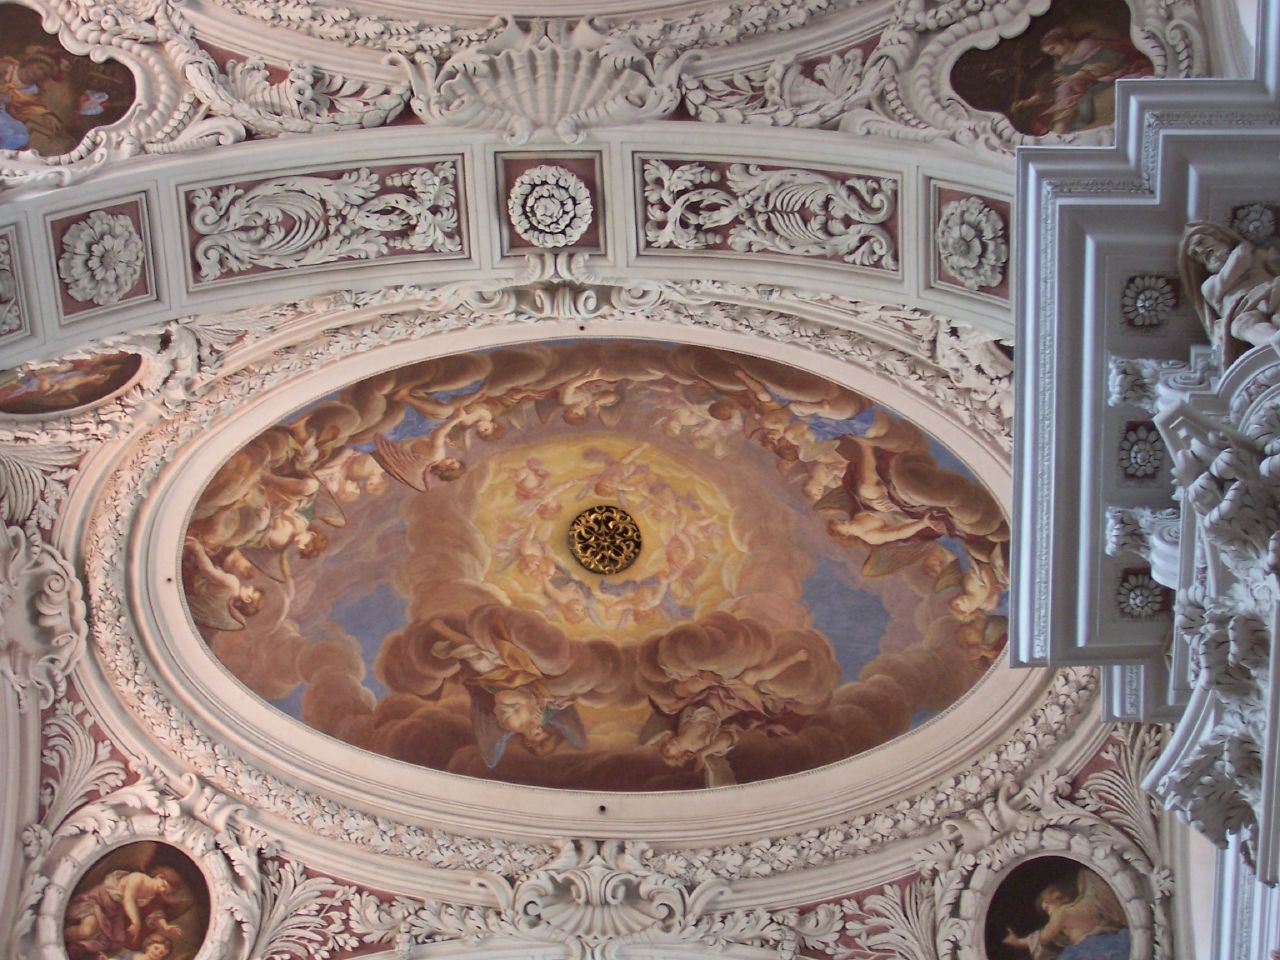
(549,206)
(1108,824)
(795,212)
(971,243)
(43,623)
(308,220)
(1225,473)
(11,319)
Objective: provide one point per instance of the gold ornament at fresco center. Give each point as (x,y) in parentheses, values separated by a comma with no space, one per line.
(604,539)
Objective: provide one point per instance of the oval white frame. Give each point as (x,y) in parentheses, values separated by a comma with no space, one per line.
(232,715)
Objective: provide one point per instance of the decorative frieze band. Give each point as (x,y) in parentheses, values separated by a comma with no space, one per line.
(283,223)
(717,205)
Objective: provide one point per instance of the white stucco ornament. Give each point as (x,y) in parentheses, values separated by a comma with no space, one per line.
(971,243)
(1147,301)
(102,258)
(42,616)
(549,206)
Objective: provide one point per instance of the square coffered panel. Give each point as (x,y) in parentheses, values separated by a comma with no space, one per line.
(551,202)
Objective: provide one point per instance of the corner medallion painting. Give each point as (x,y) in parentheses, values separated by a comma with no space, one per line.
(65,384)
(143,901)
(50,98)
(600,565)
(1058,76)
(1056,907)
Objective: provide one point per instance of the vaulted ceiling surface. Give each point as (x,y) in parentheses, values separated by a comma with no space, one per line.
(751,265)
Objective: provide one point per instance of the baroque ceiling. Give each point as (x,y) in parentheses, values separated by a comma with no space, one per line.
(499,480)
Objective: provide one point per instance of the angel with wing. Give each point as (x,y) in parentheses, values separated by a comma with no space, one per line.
(1083,921)
(508,660)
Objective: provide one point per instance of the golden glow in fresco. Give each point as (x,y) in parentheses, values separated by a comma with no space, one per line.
(391,565)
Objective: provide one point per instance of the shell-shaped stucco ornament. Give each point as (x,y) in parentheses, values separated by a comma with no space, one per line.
(549,206)
(545,77)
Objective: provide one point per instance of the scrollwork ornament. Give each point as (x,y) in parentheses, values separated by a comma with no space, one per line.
(803,213)
(309,220)
(971,243)
(549,206)
(43,620)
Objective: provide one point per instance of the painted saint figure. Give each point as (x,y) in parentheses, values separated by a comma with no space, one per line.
(1078,92)
(1083,921)
(127,914)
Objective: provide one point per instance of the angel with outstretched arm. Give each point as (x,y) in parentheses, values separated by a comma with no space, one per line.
(1083,921)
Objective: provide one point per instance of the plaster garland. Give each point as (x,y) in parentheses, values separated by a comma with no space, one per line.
(289,222)
(796,212)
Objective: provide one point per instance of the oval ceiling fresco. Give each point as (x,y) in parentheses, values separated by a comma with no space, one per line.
(600,565)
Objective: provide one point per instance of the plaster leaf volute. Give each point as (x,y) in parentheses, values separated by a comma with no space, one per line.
(42,616)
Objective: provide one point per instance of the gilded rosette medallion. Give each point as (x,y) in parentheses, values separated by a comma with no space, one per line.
(604,539)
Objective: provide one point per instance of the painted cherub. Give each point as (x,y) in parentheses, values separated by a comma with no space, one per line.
(114,914)
(1083,921)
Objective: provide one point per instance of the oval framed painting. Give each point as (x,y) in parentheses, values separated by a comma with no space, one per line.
(49,97)
(47,388)
(1056,907)
(142,901)
(600,565)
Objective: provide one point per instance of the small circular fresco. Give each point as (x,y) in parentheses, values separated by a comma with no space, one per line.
(142,901)
(65,384)
(49,97)
(392,565)
(1056,907)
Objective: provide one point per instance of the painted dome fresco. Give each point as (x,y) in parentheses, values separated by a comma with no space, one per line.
(600,564)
